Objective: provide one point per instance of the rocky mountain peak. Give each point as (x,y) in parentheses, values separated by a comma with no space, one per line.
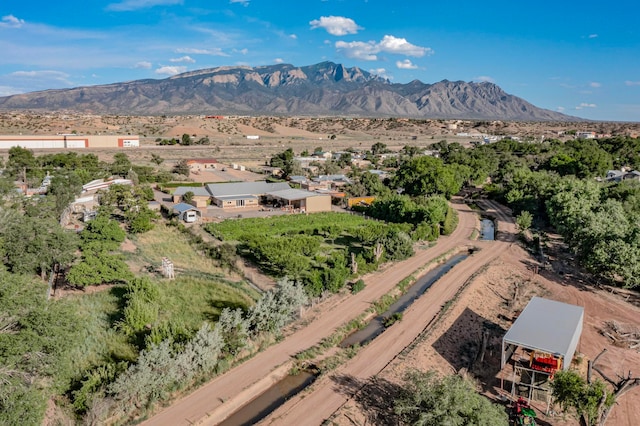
(325,88)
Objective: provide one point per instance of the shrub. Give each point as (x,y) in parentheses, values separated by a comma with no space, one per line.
(357,287)
(450,222)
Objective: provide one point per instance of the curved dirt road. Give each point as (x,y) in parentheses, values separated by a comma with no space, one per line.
(214,401)
(313,408)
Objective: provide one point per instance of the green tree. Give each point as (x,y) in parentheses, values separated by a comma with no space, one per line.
(97,268)
(587,401)
(182,168)
(234,329)
(156,159)
(65,188)
(188,196)
(102,234)
(186,139)
(277,307)
(21,163)
(284,161)
(411,151)
(121,164)
(379,148)
(426,175)
(37,336)
(524,221)
(427,400)
(35,245)
(373,185)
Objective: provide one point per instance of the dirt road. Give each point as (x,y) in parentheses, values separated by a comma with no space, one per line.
(325,399)
(207,404)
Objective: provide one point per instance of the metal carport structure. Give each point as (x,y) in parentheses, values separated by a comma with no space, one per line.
(548,326)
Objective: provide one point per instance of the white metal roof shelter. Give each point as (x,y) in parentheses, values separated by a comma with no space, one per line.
(548,326)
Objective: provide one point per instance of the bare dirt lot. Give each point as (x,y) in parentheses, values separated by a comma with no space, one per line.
(451,345)
(229,143)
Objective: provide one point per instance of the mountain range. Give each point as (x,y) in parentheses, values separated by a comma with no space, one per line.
(321,89)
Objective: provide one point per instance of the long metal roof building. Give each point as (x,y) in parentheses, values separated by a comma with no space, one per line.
(548,326)
(244,188)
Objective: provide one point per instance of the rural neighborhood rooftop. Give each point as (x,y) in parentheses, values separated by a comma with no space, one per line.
(245,188)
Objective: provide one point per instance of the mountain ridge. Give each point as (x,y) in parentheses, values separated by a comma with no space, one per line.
(325,88)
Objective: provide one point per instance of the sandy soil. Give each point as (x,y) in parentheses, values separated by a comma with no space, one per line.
(355,391)
(215,401)
(333,391)
(452,343)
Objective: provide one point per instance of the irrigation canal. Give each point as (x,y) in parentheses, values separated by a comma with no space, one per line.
(261,406)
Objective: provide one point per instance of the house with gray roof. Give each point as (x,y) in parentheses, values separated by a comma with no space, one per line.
(200,198)
(242,194)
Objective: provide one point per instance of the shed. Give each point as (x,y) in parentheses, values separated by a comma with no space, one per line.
(187,212)
(547,326)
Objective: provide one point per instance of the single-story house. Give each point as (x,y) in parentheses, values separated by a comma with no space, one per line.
(242,194)
(620,175)
(196,164)
(333,181)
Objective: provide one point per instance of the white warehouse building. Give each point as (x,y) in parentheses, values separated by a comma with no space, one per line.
(68,141)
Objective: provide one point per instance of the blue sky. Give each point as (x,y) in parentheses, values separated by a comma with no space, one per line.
(580,58)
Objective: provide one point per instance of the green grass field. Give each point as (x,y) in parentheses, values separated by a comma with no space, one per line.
(166,241)
(199,293)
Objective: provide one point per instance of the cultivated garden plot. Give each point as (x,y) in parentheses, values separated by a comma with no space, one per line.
(321,250)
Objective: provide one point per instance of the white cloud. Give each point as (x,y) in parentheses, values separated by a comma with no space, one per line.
(245,3)
(368,51)
(171,70)
(381,72)
(216,51)
(632,83)
(10,21)
(41,74)
(144,65)
(241,51)
(131,5)
(595,84)
(8,91)
(278,60)
(586,105)
(336,25)
(560,109)
(484,79)
(293,36)
(45,79)
(593,35)
(406,65)
(187,59)
(391,44)
(365,51)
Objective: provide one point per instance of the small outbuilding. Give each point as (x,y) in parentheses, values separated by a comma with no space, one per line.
(187,212)
(545,327)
